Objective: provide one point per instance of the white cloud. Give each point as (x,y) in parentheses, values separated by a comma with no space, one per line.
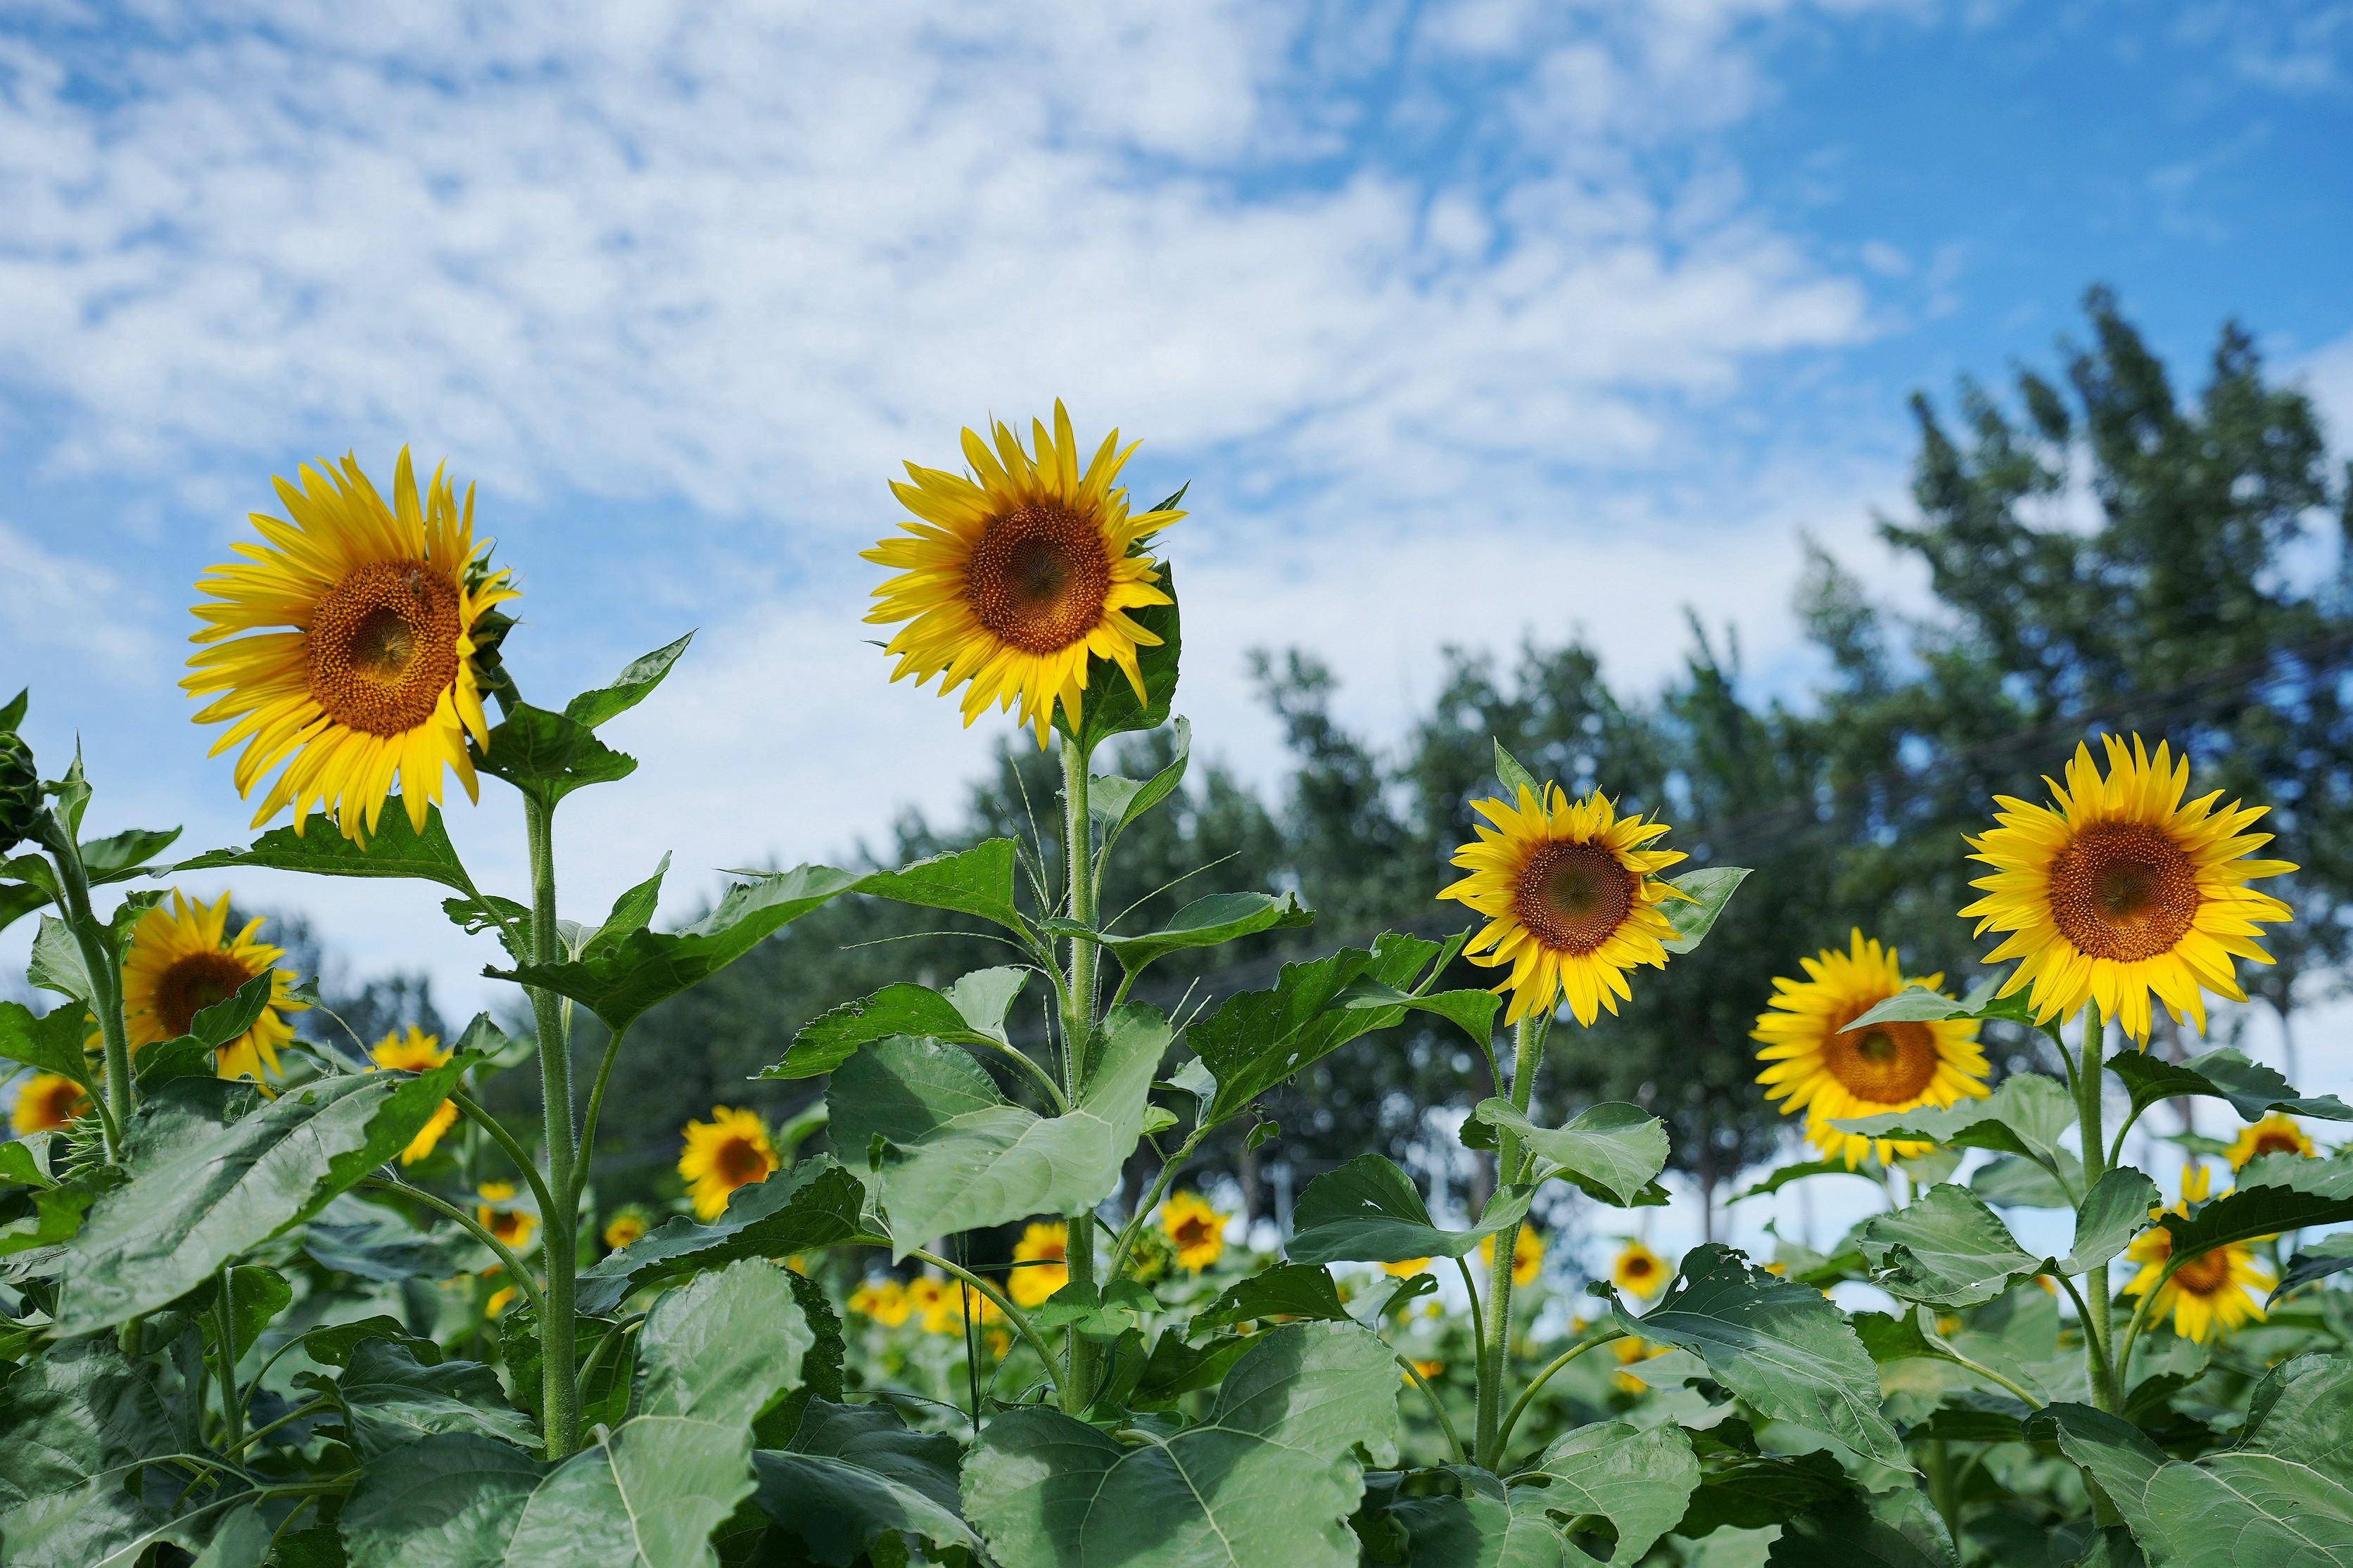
(66,603)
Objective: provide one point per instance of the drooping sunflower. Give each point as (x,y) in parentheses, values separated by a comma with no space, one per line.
(2214,1292)
(1195,1228)
(416,1051)
(45,1102)
(1527,1255)
(183,960)
(2277,1134)
(513,1226)
(1639,1271)
(630,1222)
(1043,1252)
(1815,1064)
(2121,890)
(343,646)
(1571,897)
(730,1150)
(1017,577)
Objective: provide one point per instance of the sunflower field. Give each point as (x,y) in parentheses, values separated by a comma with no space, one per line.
(276,1293)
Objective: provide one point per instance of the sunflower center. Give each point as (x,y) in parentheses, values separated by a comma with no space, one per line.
(1574,897)
(2206,1274)
(383,645)
(2277,1144)
(1638,1268)
(739,1160)
(1887,1063)
(1039,577)
(1192,1231)
(2123,890)
(195,982)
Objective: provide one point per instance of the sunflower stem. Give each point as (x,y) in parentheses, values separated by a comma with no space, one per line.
(105,967)
(1078,1035)
(1527,1043)
(558,1351)
(2098,1335)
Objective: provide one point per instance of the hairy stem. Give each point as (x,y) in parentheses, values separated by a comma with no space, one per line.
(1078,1035)
(559,1384)
(1503,1437)
(1013,1314)
(1528,1040)
(2098,1334)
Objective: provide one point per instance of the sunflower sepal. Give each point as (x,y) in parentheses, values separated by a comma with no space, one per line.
(2252,1090)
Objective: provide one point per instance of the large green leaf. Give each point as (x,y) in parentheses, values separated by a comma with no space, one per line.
(2116,1210)
(1946,1248)
(725,1347)
(114,858)
(388,1399)
(976,881)
(2276,1192)
(1893,1530)
(1638,1479)
(970,1012)
(205,1195)
(1480,1524)
(1285,1290)
(1708,890)
(548,755)
(75,1423)
(1255,1039)
(955,1154)
(53,1042)
(854,1474)
(1368,1211)
(1210,922)
(2333,1255)
(394,850)
(1108,704)
(813,1204)
(2025,1116)
(1778,1344)
(2251,1088)
(626,690)
(1613,1150)
(1270,1476)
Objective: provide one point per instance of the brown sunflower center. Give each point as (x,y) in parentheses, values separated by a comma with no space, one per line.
(1574,897)
(1192,1231)
(1886,1064)
(190,984)
(739,1160)
(383,645)
(59,1105)
(2278,1143)
(2206,1274)
(1039,578)
(2123,890)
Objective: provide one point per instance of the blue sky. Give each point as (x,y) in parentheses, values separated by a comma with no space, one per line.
(1464,320)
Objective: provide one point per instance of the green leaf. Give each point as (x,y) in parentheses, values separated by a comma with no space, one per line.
(53,1042)
(57,962)
(1778,1344)
(853,1475)
(1109,705)
(958,1155)
(228,1018)
(975,881)
(2026,1115)
(548,755)
(2015,1182)
(1710,888)
(1285,1290)
(2252,1089)
(1640,1480)
(1100,1314)
(2318,1261)
(1116,803)
(1516,780)
(449,1502)
(1919,1005)
(1893,1530)
(1366,1211)
(632,686)
(970,1012)
(1210,922)
(813,1204)
(1472,1012)
(394,850)
(1277,1464)
(367,1243)
(2276,1192)
(2116,1210)
(388,1399)
(1613,1151)
(207,1196)
(1946,1249)
(1480,1524)
(1782,1175)
(258,1294)
(632,912)
(75,1423)
(1255,1039)
(725,1347)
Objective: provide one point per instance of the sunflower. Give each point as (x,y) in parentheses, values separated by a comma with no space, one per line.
(1527,1255)
(500,1300)
(730,1150)
(2275,1134)
(630,1222)
(1430,1370)
(1043,1250)
(1404,1267)
(47,1101)
(2211,1294)
(513,1226)
(183,960)
(1195,1229)
(344,646)
(415,1052)
(1571,899)
(1814,1063)
(1016,578)
(1639,1270)
(1629,1350)
(2122,890)
(883,1299)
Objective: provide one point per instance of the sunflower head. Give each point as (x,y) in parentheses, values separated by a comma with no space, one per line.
(2211,1294)
(883,1299)
(183,960)
(1195,1230)
(2277,1134)
(344,646)
(1042,1255)
(1815,1064)
(728,1152)
(1015,577)
(1527,1255)
(630,1222)
(415,1051)
(45,1102)
(1639,1271)
(20,780)
(2120,890)
(513,1226)
(1571,897)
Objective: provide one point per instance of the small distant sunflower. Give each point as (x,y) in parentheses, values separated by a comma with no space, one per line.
(1639,1271)
(513,1226)
(1018,577)
(884,1300)
(1431,1371)
(2214,1292)
(416,1051)
(730,1150)
(2275,1134)
(45,1102)
(1043,1251)
(628,1224)
(2121,890)
(1527,1255)
(500,1300)
(1571,899)
(1404,1267)
(1815,1064)
(183,960)
(1195,1228)
(343,646)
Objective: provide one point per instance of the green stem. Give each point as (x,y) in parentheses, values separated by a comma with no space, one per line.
(1950,1354)
(1013,1314)
(297,1414)
(448,1210)
(2099,1331)
(1126,1239)
(1503,1436)
(1453,1438)
(1528,1041)
(588,1123)
(1478,1325)
(225,1327)
(2140,1316)
(98,957)
(515,1151)
(558,1353)
(1078,1035)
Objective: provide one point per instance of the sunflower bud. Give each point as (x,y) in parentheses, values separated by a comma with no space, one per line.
(20,781)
